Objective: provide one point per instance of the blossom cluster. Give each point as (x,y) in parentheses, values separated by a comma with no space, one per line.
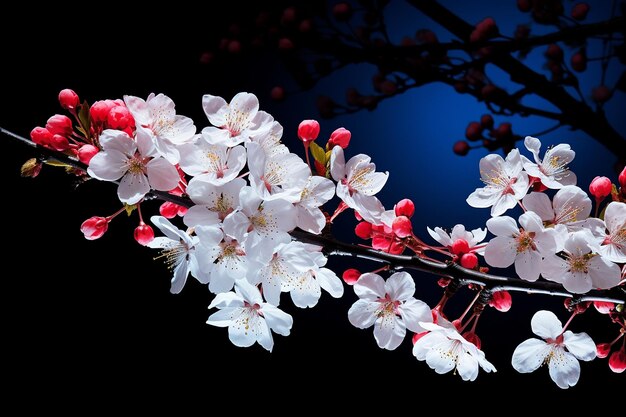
(247,193)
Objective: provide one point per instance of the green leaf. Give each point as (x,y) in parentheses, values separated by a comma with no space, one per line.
(318,153)
(83,117)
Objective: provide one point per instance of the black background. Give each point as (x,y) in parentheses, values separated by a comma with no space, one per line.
(94,322)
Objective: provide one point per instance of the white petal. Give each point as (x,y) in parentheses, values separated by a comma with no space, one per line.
(467,366)
(501,251)
(502,204)
(533,145)
(162,175)
(227,300)
(440,236)
(439,357)
(529,355)
(306,292)
(553,268)
(528,265)
(215,109)
(117,140)
(540,204)
(329,281)
(200,215)
(546,324)
(279,321)
(571,204)
(310,220)
(224,317)
(362,314)
(413,312)
(577,282)
(180,277)
(615,216)
(264,335)
(564,369)
(531,222)
(168,228)
(236,225)
(580,345)
(400,286)
(337,164)
(503,226)
(221,279)
(369,207)
(108,166)
(603,273)
(389,331)
(483,197)
(244,329)
(426,343)
(370,287)
(132,188)
(217,136)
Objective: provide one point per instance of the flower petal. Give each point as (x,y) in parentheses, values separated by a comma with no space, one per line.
(329,281)
(370,287)
(467,366)
(400,286)
(603,273)
(279,321)
(564,368)
(501,251)
(546,324)
(529,355)
(162,175)
(180,277)
(132,188)
(540,204)
(362,314)
(389,331)
(413,312)
(503,226)
(580,345)
(108,166)
(528,265)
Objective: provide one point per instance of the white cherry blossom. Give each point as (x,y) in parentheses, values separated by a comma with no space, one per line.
(226,263)
(136,162)
(217,164)
(213,203)
(317,191)
(182,253)
(268,135)
(444,349)
(612,245)
(524,246)
(570,207)
(234,122)
(389,306)
(559,350)
(248,318)
(282,175)
(580,270)
(157,114)
(505,183)
(552,170)
(263,225)
(357,183)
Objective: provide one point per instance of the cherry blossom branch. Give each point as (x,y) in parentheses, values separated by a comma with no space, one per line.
(575,113)
(451,270)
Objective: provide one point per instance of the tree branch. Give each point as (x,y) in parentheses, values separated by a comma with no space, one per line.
(334,247)
(575,113)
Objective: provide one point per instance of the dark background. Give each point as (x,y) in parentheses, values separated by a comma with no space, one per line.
(94,322)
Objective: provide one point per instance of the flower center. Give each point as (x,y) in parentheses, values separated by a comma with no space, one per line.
(525,241)
(580,263)
(554,165)
(136,165)
(498,179)
(174,255)
(387,307)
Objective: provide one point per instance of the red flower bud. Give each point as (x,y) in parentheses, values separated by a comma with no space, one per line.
(501,301)
(119,118)
(405,207)
(622,179)
(60,125)
(601,94)
(579,307)
(144,234)
(472,338)
(459,247)
(474,131)
(461,148)
(600,187)
(99,111)
(94,227)
(579,61)
(580,10)
(363,230)
(469,260)
(68,99)
(350,276)
(168,210)
(308,130)
(617,361)
(554,52)
(603,307)
(402,227)
(340,137)
(486,121)
(59,143)
(86,152)
(603,350)
(41,136)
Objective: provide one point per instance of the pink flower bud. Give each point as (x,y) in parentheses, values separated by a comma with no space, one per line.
(120,118)
(554,52)
(308,130)
(60,125)
(580,10)
(342,11)
(459,247)
(603,350)
(474,131)
(41,136)
(94,227)
(68,99)
(501,301)
(600,187)
(350,276)
(579,61)
(472,338)
(405,207)
(486,121)
(617,361)
(144,234)
(59,143)
(603,307)
(99,111)
(469,260)
(340,137)
(86,152)
(402,227)
(363,230)
(601,94)
(168,210)
(622,179)
(461,148)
